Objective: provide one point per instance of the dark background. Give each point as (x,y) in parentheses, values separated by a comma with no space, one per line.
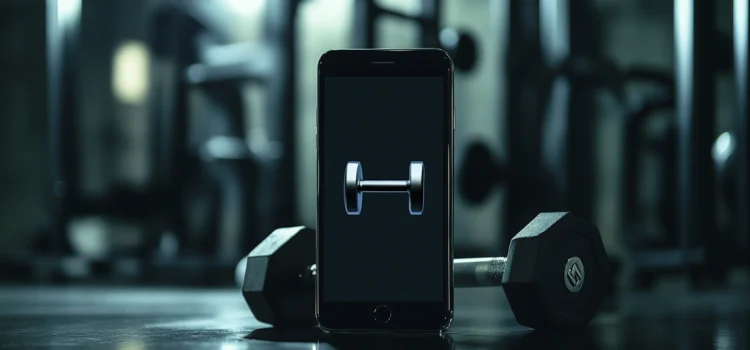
(662,191)
(384,123)
(114,123)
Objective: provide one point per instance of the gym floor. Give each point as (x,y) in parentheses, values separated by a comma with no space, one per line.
(132,318)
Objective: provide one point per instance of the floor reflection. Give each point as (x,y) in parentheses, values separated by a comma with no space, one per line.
(450,340)
(349,341)
(141,319)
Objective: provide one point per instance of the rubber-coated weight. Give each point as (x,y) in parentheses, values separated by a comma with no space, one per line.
(555,276)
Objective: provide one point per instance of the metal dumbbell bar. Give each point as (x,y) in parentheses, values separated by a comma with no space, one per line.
(486,272)
(544,277)
(355,187)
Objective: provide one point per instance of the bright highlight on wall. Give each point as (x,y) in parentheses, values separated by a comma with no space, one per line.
(130,72)
(68,10)
(245,7)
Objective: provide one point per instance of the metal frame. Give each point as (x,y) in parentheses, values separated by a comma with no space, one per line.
(176,41)
(522,119)
(635,147)
(63,36)
(171,37)
(701,247)
(742,81)
(274,67)
(696,67)
(550,152)
(568,127)
(695,104)
(366,13)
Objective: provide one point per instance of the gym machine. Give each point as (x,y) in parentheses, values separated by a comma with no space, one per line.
(694,241)
(220,70)
(742,121)
(549,128)
(692,160)
(459,45)
(157,208)
(209,162)
(274,67)
(636,146)
(200,161)
(695,116)
(553,77)
(731,149)
(62,70)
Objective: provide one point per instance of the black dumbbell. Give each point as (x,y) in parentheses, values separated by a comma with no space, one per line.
(479,173)
(354,187)
(555,276)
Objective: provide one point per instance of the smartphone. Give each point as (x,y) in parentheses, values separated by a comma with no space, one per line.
(385,131)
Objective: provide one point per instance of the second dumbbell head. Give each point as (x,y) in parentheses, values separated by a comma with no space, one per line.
(460,46)
(355,186)
(557,272)
(479,173)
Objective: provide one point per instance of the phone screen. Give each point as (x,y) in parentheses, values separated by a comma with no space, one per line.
(385,111)
(385,253)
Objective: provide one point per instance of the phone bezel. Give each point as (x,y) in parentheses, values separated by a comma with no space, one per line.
(407,316)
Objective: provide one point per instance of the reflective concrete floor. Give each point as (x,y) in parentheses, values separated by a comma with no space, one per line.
(130,318)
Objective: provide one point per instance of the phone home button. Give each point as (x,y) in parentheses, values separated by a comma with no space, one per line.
(381,314)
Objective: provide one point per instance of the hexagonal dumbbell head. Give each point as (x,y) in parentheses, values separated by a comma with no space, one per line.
(557,272)
(273,289)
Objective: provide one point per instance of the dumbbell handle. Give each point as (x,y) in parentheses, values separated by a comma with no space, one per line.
(478,272)
(467,273)
(383,185)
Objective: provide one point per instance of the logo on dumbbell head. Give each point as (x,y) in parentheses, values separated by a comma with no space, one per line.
(355,186)
(574,274)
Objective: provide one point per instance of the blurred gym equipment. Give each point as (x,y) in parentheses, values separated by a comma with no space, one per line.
(62,69)
(695,107)
(636,146)
(549,129)
(203,163)
(219,70)
(459,45)
(550,152)
(480,171)
(691,157)
(203,197)
(274,68)
(555,277)
(742,124)
(553,79)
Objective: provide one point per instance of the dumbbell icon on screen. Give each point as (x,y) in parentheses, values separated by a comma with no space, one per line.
(355,187)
